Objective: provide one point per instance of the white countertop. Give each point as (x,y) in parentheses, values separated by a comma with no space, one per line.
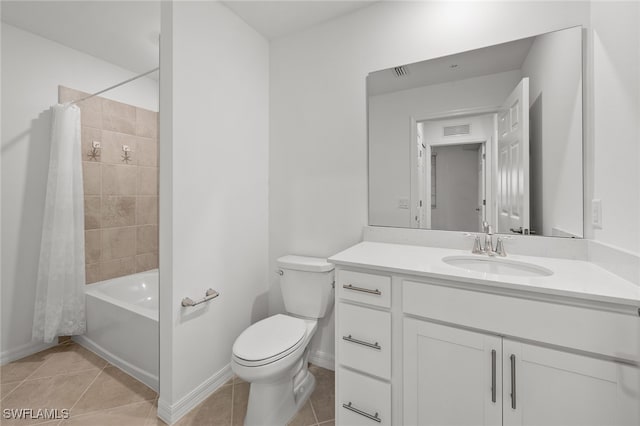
(571,278)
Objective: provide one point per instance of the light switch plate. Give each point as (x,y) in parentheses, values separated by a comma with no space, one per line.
(596,213)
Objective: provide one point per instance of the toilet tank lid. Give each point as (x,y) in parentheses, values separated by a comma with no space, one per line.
(304,263)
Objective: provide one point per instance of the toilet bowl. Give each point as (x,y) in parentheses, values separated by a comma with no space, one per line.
(272,354)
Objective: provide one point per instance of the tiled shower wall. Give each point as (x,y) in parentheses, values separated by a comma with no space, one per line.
(120,197)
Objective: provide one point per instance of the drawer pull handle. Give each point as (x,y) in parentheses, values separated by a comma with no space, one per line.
(493,375)
(362,342)
(375,417)
(513,381)
(363,290)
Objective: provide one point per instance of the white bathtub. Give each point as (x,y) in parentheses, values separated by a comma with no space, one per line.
(122,324)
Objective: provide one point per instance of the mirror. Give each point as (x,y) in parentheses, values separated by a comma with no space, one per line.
(489,136)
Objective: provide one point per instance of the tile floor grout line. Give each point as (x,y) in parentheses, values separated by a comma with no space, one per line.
(233,390)
(313,410)
(87,388)
(61,374)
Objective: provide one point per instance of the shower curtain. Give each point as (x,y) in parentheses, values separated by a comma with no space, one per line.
(59,305)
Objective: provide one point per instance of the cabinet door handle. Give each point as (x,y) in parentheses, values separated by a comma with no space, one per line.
(363,290)
(362,342)
(493,375)
(374,417)
(513,381)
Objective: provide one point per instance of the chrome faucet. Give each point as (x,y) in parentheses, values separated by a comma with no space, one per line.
(488,243)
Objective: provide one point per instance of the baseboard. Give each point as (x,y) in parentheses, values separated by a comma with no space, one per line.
(23,351)
(172,413)
(323,359)
(135,372)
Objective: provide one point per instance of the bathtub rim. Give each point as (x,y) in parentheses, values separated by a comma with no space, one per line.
(94,290)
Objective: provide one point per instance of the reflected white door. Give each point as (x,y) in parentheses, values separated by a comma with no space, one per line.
(513,162)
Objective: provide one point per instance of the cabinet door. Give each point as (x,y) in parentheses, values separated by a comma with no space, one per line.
(451,376)
(554,387)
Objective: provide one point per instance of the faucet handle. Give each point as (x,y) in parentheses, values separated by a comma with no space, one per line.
(500,251)
(477,246)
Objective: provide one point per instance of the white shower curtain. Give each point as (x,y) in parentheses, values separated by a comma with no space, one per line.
(59,305)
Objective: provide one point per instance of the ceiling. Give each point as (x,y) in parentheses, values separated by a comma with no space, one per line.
(474,63)
(275,19)
(125,33)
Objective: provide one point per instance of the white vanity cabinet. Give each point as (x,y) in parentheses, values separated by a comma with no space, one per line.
(460,377)
(428,349)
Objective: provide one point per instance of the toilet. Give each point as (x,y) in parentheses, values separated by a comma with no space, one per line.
(272,354)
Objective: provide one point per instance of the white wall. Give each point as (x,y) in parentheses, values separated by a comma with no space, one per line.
(554,66)
(616,127)
(213,194)
(390,117)
(318,143)
(32,69)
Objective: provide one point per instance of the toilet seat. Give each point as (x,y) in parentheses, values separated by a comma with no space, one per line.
(269,340)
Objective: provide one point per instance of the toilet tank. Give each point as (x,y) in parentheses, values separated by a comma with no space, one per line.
(306,284)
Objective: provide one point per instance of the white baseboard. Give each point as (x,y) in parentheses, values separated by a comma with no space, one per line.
(171,413)
(23,351)
(323,359)
(141,375)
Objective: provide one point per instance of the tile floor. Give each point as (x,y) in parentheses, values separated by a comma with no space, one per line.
(99,394)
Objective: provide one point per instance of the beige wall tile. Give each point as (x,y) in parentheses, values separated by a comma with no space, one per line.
(112,148)
(118,117)
(66,94)
(92,245)
(88,136)
(119,180)
(146,262)
(92,273)
(91,177)
(117,268)
(147,150)
(147,211)
(147,180)
(146,123)
(118,243)
(118,211)
(92,212)
(147,239)
(91,109)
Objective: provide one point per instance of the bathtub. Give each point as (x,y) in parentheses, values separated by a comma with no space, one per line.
(122,324)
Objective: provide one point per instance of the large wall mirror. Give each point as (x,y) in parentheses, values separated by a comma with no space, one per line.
(492,135)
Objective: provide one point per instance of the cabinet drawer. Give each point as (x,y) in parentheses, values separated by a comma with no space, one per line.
(574,327)
(364,339)
(362,400)
(365,288)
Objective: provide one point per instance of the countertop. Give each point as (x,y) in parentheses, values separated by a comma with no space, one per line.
(571,278)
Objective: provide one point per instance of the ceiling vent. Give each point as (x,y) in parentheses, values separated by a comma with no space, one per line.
(461,129)
(401,71)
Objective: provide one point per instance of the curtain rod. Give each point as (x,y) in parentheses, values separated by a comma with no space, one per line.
(114,86)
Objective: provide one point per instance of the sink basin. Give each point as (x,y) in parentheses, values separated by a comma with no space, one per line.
(497,266)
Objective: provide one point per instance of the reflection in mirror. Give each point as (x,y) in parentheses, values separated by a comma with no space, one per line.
(492,134)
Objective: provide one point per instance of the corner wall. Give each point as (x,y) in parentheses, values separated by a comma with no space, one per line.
(214,88)
(318,140)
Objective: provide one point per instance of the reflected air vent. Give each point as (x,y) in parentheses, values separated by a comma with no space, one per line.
(401,71)
(462,129)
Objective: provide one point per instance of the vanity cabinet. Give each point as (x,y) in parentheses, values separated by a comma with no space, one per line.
(460,377)
(427,350)
(451,376)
